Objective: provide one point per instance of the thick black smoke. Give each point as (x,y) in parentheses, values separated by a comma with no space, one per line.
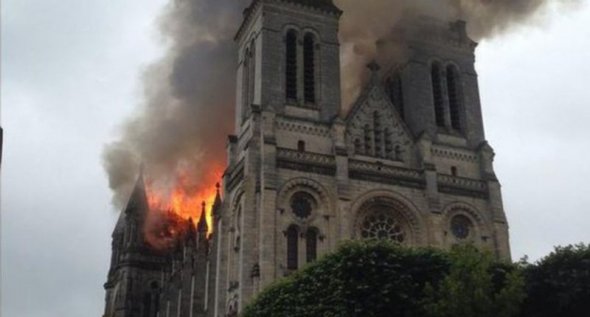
(181,127)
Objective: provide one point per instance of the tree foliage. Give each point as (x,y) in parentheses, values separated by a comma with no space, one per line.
(476,286)
(559,284)
(379,278)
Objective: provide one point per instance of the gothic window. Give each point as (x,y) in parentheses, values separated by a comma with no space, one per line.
(292,247)
(291,67)
(309,67)
(153,304)
(301,146)
(311,243)
(238,229)
(378,137)
(368,140)
(396,93)
(302,205)
(358,147)
(398,153)
(382,223)
(246,84)
(389,153)
(437,95)
(147,305)
(453,83)
(461,227)
(251,73)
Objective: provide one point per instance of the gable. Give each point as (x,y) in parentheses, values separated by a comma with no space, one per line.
(375,129)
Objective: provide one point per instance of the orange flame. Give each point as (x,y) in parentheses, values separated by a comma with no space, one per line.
(172,205)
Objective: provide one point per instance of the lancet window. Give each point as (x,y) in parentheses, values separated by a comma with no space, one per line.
(455,97)
(311,243)
(291,67)
(437,94)
(396,93)
(309,68)
(292,247)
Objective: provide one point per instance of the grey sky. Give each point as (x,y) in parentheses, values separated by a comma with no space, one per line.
(70,77)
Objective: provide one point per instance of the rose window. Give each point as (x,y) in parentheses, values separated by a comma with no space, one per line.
(302,205)
(381,224)
(461,227)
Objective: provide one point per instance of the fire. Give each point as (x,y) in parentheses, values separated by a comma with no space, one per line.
(173,202)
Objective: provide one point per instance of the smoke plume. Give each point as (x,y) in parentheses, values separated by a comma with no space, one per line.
(179,131)
(366,27)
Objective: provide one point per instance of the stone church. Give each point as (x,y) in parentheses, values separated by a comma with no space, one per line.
(409,162)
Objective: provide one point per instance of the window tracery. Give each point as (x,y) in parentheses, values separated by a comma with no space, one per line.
(302,205)
(382,223)
(376,130)
(461,227)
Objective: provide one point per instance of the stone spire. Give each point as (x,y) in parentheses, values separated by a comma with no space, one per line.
(138,203)
(202,225)
(191,232)
(217,203)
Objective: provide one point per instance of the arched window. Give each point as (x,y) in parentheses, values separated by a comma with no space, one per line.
(155,299)
(302,205)
(461,227)
(147,305)
(377,134)
(251,73)
(291,67)
(455,98)
(358,147)
(389,153)
(246,84)
(437,96)
(396,93)
(292,247)
(368,140)
(309,68)
(381,223)
(301,146)
(311,243)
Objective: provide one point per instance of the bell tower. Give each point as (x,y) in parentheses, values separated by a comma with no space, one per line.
(288,74)
(436,87)
(289,59)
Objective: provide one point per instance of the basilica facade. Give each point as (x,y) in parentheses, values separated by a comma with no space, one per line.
(408,162)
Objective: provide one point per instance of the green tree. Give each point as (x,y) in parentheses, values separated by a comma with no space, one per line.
(559,284)
(379,278)
(476,286)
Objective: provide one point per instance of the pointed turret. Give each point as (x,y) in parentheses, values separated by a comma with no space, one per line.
(202,225)
(138,203)
(191,233)
(217,203)
(191,228)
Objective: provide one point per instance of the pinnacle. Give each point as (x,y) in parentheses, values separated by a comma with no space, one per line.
(138,201)
(202,225)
